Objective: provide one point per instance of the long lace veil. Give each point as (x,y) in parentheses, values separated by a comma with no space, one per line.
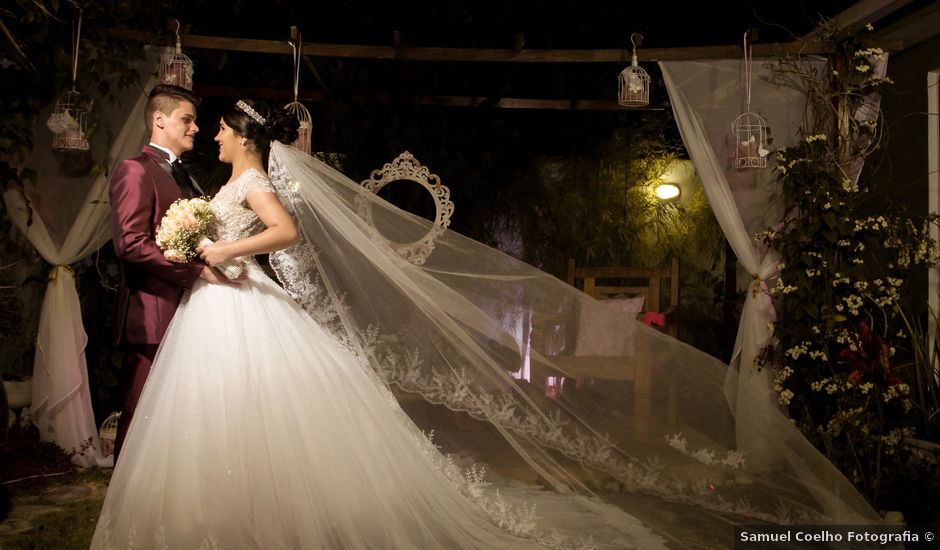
(590,398)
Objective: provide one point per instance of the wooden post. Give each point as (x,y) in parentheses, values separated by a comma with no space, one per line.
(729,324)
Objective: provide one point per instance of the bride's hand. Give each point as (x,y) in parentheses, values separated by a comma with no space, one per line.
(215,253)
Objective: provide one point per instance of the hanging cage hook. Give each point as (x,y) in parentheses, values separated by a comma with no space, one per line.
(297,49)
(179,45)
(634,42)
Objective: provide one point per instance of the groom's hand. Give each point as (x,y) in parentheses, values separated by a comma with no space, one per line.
(216,278)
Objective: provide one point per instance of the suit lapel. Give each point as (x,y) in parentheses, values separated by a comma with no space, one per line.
(163,162)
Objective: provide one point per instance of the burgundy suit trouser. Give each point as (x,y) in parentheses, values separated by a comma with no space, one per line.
(137,362)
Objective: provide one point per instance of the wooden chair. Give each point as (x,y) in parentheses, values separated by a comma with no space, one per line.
(615,281)
(623,281)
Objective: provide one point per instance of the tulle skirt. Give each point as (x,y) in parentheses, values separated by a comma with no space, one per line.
(258,430)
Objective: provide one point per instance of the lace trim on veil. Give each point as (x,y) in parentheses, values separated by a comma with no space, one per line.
(457,388)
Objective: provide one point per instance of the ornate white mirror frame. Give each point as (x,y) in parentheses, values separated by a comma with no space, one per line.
(406,167)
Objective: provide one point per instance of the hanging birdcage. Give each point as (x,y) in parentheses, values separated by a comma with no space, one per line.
(749,128)
(69,122)
(750,141)
(305,131)
(634,86)
(296,108)
(69,119)
(175,67)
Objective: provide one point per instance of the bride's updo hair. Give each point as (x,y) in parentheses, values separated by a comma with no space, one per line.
(261,124)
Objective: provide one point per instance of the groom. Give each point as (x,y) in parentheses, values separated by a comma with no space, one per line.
(141,190)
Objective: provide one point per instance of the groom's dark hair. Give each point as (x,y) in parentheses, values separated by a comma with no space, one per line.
(165,98)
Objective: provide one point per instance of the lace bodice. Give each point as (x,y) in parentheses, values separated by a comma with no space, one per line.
(236,220)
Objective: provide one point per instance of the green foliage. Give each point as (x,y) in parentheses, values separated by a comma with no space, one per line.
(603,211)
(842,276)
(921,370)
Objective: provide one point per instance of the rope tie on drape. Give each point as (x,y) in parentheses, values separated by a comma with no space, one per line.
(54,272)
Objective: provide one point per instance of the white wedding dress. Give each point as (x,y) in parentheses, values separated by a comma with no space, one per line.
(259,430)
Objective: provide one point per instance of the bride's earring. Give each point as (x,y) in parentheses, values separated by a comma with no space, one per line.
(244,142)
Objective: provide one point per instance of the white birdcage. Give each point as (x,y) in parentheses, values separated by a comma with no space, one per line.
(107,433)
(69,122)
(749,128)
(305,131)
(175,67)
(634,83)
(109,427)
(750,141)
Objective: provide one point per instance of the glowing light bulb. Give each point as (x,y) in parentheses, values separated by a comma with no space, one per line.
(667,191)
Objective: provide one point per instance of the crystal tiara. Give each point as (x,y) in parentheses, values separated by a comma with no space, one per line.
(245,108)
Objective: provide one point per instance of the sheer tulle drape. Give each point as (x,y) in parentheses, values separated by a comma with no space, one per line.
(61,403)
(706,96)
(646,410)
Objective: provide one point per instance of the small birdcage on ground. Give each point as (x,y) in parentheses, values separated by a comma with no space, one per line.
(634,83)
(296,108)
(175,67)
(69,121)
(108,433)
(749,128)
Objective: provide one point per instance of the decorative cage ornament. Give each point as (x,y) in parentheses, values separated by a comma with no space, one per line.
(634,87)
(305,131)
(108,429)
(296,108)
(749,128)
(69,120)
(750,137)
(175,67)
(107,433)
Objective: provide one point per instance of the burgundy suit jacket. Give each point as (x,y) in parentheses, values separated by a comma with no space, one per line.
(141,191)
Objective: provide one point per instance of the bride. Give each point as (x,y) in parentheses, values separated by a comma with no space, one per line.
(267,420)
(259,429)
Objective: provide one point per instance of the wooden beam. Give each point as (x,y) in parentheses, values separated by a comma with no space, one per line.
(279,94)
(490,55)
(914,29)
(858,14)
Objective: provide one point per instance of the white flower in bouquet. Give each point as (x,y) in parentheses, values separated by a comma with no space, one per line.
(183,225)
(184,228)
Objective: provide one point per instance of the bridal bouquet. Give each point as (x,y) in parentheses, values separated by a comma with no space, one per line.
(184,228)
